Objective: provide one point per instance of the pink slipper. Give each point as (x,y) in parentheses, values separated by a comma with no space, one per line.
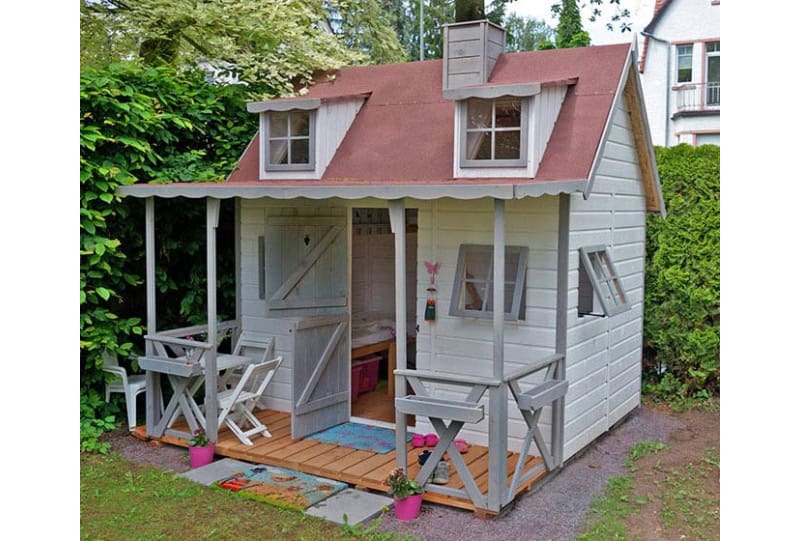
(461,445)
(417,440)
(431,440)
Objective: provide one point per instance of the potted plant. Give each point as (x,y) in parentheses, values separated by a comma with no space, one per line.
(407,495)
(201,451)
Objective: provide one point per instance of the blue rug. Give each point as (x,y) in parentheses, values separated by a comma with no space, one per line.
(359,436)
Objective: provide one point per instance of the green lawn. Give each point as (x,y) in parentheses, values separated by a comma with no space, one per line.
(122,500)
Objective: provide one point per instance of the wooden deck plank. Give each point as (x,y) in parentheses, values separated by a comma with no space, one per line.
(361,468)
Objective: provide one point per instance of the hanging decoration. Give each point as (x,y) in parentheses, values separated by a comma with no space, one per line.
(430,305)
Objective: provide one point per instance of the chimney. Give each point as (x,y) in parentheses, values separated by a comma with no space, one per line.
(470,51)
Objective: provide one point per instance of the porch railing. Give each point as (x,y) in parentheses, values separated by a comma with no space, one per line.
(697,96)
(529,402)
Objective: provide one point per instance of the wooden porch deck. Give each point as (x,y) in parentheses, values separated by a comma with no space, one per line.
(364,469)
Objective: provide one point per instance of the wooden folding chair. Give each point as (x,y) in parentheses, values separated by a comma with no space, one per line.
(259,350)
(236,405)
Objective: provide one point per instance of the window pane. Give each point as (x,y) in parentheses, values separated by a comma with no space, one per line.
(474,293)
(506,145)
(712,47)
(278,124)
(278,152)
(512,261)
(300,151)
(684,63)
(479,113)
(479,145)
(299,123)
(508,113)
(477,265)
(507,301)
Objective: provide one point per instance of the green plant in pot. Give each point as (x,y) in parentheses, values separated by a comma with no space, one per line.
(201,451)
(407,494)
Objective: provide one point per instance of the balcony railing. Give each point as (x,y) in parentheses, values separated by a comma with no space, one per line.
(697,97)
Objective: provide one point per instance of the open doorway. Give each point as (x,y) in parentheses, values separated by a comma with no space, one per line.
(373,312)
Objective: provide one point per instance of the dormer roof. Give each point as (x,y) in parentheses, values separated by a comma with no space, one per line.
(404,131)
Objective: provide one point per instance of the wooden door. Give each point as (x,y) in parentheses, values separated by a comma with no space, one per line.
(307,281)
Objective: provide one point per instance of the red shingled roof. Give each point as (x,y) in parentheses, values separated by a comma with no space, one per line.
(404,132)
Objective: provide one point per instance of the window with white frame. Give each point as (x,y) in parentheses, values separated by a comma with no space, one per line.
(712,73)
(684,62)
(289,144)
(473,287)
(494,132)
(598,279)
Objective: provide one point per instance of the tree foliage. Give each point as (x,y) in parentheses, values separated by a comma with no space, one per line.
(682,297)
(526,33)
(570,32)
(146,123)
(271,45)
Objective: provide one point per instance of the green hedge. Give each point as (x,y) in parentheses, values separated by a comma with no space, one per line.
(682,293)
(148,124)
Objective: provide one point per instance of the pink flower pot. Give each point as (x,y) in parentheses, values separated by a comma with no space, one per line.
(408,508)
(200,456)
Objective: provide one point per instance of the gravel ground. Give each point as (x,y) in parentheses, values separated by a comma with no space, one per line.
(554,512)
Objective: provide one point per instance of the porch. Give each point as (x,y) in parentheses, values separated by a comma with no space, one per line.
(364,469)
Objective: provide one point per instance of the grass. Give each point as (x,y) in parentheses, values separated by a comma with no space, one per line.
(121,500)
(609,511)
(685,503)
(686,508)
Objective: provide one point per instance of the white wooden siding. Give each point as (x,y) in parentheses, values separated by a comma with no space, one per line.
(604,354)
(464,345)
(333,121)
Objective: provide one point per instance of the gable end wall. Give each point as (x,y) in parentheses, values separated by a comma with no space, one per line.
(604,353)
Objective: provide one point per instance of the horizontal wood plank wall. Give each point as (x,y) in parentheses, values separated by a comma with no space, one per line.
(464,345)
(365,469)
(604,354)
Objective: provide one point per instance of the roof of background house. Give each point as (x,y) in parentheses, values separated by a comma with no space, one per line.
(403,133)
(658,10)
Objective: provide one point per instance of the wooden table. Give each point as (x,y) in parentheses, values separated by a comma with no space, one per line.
(186,379)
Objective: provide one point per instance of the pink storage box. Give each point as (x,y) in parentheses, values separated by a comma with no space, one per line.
(355,382)
(368,378)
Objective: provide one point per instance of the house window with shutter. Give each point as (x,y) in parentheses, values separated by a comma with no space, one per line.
(598,280)
(289,140)
(473,286)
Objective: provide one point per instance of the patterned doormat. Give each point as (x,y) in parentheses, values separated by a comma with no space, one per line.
(358,436)
(281,487)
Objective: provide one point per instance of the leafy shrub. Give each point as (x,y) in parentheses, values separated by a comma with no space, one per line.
(147,124)
(682,296)
(94,421)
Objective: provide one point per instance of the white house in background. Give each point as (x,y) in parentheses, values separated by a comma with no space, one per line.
(680,67)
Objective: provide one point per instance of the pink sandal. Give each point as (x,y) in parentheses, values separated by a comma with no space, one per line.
(431,440)
(461,445)
(417,440)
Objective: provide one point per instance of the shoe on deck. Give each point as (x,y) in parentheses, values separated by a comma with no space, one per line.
(441,474)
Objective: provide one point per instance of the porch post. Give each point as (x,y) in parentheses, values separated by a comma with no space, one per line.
(562,293)
(498,396)
(152,379)
(397,216)
(212,408)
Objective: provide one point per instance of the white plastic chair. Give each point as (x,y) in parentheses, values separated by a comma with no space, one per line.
(236,405)
(130,386)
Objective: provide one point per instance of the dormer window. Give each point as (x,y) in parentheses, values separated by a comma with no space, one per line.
(494,132)
(290,140)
